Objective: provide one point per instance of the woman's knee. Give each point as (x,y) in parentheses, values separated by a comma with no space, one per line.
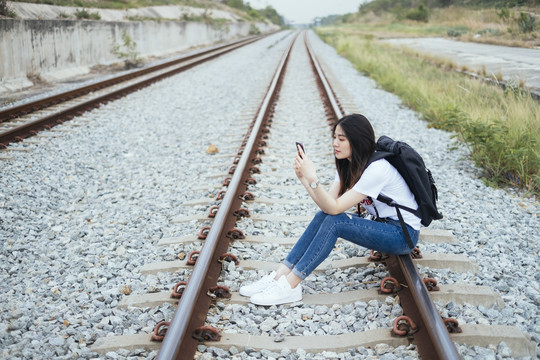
(330,220)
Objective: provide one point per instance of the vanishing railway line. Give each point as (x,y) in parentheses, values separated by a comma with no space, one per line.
(19,122)
(239,233)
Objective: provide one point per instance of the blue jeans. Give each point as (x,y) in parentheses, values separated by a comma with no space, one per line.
(322,233)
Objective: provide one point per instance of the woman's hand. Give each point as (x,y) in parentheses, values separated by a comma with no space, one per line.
(329,202)
(303,166)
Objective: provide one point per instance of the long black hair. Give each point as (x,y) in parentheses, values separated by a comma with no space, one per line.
(361,137)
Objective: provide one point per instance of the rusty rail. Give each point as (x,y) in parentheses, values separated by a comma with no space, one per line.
(334,109)
(31,128)
(28,108)
(432,337)
(193,306)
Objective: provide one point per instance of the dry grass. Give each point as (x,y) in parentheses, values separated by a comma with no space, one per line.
(465,24)
(501,127)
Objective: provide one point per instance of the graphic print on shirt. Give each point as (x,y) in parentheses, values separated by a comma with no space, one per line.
(366,201)
(368,205)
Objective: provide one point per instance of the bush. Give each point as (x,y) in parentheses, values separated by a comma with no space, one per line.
(456,32)
(526,23)
(254,30)
(419,14)
(504,14)
(254,14)
(238,4)
(85,14)
(489,31)
(5,10)
(271,14)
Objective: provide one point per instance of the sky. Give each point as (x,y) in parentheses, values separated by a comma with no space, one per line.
(304,11)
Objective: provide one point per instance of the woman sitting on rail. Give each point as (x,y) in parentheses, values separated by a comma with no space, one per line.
(354,142)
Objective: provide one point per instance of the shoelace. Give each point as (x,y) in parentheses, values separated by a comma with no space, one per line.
(271,286)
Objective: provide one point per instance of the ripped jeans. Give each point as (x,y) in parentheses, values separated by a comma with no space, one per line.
(321,235)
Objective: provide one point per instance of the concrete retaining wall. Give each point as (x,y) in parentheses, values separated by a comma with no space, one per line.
(59,49)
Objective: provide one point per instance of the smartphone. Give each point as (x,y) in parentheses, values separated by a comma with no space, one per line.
(301,146)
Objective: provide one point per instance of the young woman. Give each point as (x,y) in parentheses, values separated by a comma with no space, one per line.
(354,143)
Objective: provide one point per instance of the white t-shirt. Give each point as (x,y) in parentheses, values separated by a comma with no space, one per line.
(382,178)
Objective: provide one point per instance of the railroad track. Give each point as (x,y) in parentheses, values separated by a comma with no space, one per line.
(239,219)
(22,121)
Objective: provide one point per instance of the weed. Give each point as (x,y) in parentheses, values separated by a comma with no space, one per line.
(498,76)
(515,87)
(483,71)
(189,17)
(489,31)
(143,18)
(254,30)
(526,22)
(85,14)
(127,51)
(504,14)
(5,10)
(455,33)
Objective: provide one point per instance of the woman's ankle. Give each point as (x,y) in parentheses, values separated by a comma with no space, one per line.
(282,270)
(293,280)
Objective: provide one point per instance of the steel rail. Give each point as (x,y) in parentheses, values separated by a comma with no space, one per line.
(432,339)
(58,117)
(32,128)
(328,93)
(178,342)
(39,104)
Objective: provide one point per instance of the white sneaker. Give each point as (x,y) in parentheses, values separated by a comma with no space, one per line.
(258,286)
(279,293)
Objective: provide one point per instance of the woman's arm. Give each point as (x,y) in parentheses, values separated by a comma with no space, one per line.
(328,201)
(334,190)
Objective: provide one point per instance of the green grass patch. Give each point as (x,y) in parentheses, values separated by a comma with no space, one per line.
(501,128)
(404,29)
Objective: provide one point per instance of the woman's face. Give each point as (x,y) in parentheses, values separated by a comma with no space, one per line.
(342,147)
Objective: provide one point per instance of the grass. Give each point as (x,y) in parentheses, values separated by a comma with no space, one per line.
(122,4)
(465,24)
(501,128)
(245,14)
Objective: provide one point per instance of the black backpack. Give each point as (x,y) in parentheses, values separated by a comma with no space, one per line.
(417,176)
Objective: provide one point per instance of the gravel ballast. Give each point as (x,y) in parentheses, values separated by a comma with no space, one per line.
(82,211)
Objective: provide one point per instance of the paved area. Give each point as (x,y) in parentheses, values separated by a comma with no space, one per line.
(511,62)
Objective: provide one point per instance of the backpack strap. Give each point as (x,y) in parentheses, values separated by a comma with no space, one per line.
(404,229)
(378,155)
(388,201)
